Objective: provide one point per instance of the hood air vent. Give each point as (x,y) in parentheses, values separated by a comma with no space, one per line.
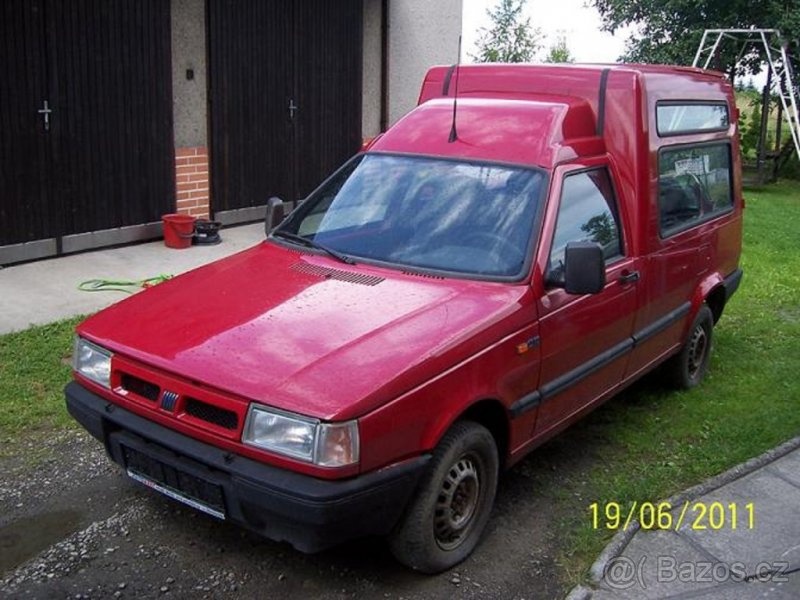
(419,274)
(327,273)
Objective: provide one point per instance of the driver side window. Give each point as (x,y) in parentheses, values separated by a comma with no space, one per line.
(587,212)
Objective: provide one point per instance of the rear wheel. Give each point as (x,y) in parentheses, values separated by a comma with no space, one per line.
(688,368)
(446,518)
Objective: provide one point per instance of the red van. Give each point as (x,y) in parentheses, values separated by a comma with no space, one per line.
(481,276)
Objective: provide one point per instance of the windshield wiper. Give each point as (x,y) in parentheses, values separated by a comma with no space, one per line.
(312,244)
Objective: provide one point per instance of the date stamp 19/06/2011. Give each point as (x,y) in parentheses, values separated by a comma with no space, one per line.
(712,516)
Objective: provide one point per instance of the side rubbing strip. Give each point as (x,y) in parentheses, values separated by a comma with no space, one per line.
(570,378)
(601,102)
(661,324)
(447,77)
(524,404)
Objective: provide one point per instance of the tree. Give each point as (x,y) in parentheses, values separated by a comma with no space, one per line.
(559,52)
(670,30)
(510,38)
(601,229)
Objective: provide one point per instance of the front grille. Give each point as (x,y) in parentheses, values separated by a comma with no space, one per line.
(188,485)
(140,387)
(211,414)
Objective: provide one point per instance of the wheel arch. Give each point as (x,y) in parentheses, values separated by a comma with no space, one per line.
(711,291)
(488,412)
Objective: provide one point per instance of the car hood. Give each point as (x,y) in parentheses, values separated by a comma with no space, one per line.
(303,332)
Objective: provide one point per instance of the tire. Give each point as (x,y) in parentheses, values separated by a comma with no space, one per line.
(445,520)
(688,368)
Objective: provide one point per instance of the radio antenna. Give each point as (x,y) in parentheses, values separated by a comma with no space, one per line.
(453,133)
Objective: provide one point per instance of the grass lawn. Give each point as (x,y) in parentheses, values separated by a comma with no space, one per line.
(656,442)
(34,368)
(645,445)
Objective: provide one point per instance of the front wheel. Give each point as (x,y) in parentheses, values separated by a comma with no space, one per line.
(687,368)
(446,518)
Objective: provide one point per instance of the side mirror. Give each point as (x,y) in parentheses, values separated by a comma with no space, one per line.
(584,268)
(275,214)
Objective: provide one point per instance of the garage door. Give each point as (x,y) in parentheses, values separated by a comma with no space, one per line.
(86,152)
(285,98)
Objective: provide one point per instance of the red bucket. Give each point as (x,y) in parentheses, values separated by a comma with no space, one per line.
(178,230)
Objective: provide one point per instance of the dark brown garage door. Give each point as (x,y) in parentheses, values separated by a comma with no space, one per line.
(285,96)
(86,121)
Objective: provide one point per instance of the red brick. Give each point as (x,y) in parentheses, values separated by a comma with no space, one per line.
(179,152)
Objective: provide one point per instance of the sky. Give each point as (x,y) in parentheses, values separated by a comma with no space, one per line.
(579,23)
(575,20)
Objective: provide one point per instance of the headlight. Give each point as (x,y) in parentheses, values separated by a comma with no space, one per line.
(92,361)
(324,444)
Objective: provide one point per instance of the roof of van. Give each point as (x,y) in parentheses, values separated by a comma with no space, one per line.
(538,114)
(581,80)
(528,132)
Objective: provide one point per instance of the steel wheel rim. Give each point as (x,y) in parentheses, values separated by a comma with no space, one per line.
(698,347)
(457,503)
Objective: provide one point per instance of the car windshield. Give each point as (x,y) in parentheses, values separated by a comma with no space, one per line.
(444,215)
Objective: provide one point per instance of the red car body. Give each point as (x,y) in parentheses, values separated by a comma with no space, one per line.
(406,352)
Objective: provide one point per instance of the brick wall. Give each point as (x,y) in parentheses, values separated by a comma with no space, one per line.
(192,181)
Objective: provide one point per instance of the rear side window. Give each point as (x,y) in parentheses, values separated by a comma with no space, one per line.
(694,185)
(587,212)
(675,118)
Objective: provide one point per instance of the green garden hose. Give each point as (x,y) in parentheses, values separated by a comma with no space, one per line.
(110,285)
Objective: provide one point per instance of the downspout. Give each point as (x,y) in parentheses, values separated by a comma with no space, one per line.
(384,124)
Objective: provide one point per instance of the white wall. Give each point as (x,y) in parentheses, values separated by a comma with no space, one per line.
(371,105)
(421,34)
(189,52)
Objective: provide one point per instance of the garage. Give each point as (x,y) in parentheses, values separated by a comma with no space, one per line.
(285,95)
(116,112)
(86,154)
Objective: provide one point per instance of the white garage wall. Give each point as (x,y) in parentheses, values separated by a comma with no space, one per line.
(421,34)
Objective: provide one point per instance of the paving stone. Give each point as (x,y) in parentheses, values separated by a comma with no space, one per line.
(720,564)
(776,534)
(656,564)
(783,588)
(788,467)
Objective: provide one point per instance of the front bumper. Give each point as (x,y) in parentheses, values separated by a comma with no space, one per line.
(311,514)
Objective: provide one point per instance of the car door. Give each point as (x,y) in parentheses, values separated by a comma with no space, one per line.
(585,340)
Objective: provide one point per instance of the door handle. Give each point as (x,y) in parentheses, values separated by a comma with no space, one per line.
(45,112)
(629,276)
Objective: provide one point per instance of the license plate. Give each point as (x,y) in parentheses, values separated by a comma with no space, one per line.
(174,483)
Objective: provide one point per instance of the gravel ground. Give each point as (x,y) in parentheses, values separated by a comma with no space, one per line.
(74,526)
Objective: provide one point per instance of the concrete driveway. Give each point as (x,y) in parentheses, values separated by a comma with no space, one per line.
(47,290)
